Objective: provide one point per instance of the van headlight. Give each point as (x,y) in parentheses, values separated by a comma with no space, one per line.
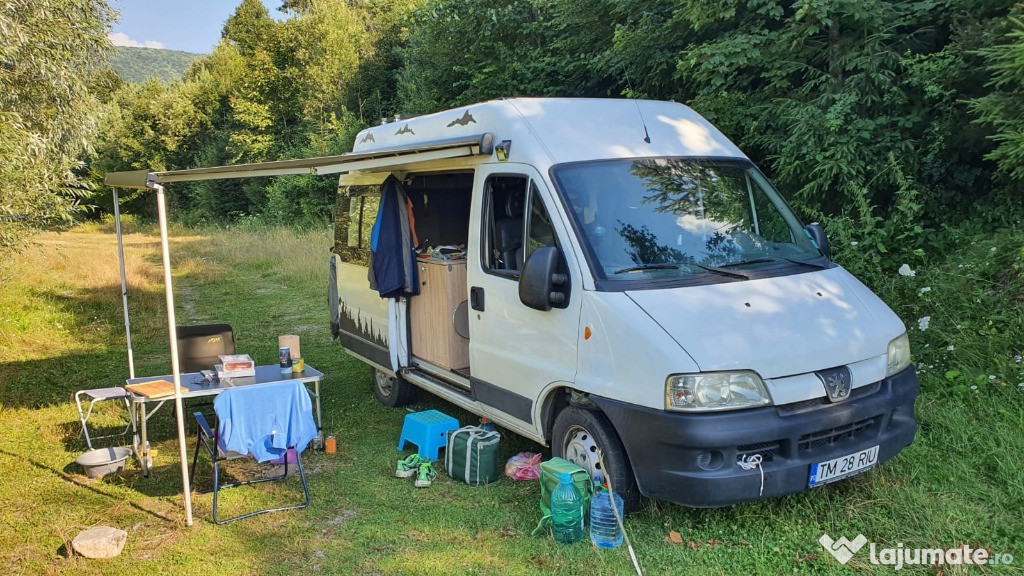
(898,355)
(715,391)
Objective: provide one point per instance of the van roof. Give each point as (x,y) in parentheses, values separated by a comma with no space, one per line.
(556,130)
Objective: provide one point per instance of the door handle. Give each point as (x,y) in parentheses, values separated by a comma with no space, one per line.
(476,298)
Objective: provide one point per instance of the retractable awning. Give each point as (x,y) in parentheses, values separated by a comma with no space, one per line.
(351,162)
(318,166)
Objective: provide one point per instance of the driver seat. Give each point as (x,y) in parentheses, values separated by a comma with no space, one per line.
(509,231)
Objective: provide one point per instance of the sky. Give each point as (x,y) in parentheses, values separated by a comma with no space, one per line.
(188,25)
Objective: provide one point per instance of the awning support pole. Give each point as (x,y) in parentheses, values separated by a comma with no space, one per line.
(124,286)
(172,330)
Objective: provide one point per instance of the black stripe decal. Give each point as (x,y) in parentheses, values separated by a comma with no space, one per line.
(510,403)
(367,350)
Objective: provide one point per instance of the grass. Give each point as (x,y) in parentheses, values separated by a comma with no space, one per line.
(61,330)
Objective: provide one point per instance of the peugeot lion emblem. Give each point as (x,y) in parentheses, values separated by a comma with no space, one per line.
(837,383)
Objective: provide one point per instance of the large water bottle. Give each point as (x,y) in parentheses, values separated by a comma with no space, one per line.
(566,511)
(604,528)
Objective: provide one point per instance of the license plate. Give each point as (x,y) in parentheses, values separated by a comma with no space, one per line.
(832,470)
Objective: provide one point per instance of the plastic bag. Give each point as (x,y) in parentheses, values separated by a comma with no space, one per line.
(523,466)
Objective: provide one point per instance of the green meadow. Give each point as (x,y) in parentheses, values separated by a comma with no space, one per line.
(61,329)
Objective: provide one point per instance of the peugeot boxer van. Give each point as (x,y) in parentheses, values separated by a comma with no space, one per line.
(616,278)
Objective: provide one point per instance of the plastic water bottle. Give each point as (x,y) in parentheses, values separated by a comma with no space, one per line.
(604,528)
(487,425)
(566,511)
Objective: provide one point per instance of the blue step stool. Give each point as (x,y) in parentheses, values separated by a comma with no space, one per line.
(428,430)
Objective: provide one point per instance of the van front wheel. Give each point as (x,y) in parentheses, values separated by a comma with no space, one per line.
(578,434)
(392,391)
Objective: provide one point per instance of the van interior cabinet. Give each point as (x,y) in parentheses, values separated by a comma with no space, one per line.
(432,314)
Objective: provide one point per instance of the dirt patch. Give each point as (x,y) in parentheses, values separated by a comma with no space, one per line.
(342,518)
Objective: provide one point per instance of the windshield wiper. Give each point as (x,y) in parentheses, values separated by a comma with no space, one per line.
(643,267)
(772,259)
(811,263)
(745,262)
(718,270)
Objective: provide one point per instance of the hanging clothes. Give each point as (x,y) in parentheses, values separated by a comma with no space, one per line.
(393,270)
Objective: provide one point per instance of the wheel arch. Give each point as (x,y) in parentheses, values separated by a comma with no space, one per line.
(595,430)
(561,395)
(555,398)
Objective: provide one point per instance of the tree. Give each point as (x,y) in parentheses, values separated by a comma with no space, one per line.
(48,113)
(249,27)
(842,102)
(1003,107)
(465,51)
(373,91)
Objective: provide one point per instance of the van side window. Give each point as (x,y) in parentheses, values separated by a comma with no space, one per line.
(542,233)
(362,212)
(354,215)
(514,211)
(504,224)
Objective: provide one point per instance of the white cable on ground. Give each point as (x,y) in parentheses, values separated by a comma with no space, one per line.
(751,463)
(618,516)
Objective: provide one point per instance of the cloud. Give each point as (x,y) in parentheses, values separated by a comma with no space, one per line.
(122,39)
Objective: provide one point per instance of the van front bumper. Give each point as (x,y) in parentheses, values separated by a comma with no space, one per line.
(692,459)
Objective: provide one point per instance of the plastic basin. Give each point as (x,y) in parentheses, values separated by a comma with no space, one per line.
(102,461)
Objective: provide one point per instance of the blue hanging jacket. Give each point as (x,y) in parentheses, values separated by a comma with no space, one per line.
(393,271)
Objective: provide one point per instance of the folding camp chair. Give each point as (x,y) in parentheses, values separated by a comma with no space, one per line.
(99,395)
(263,421)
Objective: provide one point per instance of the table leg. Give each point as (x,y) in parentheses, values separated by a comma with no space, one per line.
(319,419)
(143,442)
(136,443)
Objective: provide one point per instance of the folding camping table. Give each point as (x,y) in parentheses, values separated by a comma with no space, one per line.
(197,388)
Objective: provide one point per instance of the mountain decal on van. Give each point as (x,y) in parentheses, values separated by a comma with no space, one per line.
(352,322)
(367,138)
(463,120)
(405,130)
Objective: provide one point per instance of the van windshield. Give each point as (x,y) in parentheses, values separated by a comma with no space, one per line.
(670,218)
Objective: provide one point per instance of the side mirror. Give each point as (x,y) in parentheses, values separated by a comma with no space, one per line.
(817,235)
(540,284)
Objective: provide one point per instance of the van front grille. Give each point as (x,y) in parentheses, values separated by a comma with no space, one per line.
(767,450)
(832,435)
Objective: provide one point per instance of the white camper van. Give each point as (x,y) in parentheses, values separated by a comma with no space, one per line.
(617,275)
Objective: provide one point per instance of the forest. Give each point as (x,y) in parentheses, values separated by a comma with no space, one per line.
(899,125)
(881,116)
(138,64)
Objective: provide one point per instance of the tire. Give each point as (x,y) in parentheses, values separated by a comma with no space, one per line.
(576,436)
(392,391)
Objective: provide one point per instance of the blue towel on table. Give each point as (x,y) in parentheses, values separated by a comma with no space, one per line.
(264,420)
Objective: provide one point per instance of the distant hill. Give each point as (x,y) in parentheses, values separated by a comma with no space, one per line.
(141,64)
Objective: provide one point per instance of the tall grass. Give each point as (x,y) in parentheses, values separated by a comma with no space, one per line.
(299,254)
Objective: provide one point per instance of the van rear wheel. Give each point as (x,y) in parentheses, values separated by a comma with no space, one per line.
(578,434)
(392,391)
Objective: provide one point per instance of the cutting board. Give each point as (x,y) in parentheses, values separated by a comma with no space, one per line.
(155,389)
